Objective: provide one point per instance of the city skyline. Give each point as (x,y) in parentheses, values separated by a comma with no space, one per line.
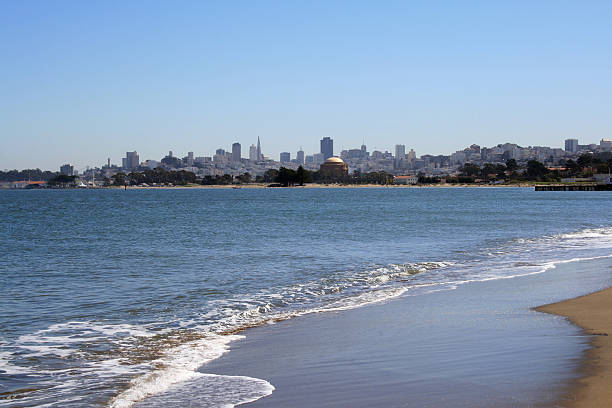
(399,159)
(132,159)
(82,81)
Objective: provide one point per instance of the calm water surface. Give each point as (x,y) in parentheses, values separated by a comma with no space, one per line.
(112,296)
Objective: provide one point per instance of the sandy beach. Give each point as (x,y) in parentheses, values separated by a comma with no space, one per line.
(593,313)
(481,345)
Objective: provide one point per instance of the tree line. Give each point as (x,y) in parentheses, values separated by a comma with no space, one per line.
(28,174)
(585,166)
(156,176)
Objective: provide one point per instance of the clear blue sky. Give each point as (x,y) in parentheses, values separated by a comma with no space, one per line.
(81,81)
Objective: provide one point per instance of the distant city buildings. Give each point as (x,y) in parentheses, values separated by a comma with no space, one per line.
(259,155)
(188,160)
(236,154)
(399,162)
(131,161)
(571,145)
(400,156)
(300,156)
(253,156)
(67,170)
(327,148)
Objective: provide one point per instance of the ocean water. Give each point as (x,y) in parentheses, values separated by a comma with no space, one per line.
(113,298)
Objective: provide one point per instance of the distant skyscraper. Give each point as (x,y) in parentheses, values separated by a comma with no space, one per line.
(170,153)
(236,153)
(400,152)
(300,156)
(327,147)
(189,160)
(131,160)
(253,153)
(67,170)
(571,145)
(285,157)
(411,155)
(259,155)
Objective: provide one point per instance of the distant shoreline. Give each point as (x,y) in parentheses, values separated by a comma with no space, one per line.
(313,185)
(593,313)
(268,185)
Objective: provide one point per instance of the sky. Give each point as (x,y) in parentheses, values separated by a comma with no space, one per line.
(81,81)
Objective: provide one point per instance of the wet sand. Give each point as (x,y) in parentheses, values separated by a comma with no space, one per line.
(480,345)
(593,313)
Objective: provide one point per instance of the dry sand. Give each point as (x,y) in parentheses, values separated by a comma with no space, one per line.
(594,314)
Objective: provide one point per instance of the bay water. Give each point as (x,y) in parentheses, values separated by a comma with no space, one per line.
(111,297)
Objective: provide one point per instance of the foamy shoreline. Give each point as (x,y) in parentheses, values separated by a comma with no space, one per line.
(593,313)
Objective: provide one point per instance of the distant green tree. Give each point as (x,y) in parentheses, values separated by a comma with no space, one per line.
(536,170)
(470,169)
(303,176)
(62,179)
(511,165)
(244,178)
(585,160)
(487,169)
(270,175)
(286,177)
(572,167)
(119,179)
(27,174)
(500,169)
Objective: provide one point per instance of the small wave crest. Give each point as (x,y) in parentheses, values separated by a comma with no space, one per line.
(178,365)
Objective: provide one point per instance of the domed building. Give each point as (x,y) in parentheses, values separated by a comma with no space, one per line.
(334,168)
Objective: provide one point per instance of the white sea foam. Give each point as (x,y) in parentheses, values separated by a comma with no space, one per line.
(7,367)
(211,390)
(177,366)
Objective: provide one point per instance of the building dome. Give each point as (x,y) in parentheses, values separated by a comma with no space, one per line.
(334,160)
(334,169)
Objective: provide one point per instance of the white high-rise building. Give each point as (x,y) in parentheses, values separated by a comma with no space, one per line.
(411,155)
(253,153)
